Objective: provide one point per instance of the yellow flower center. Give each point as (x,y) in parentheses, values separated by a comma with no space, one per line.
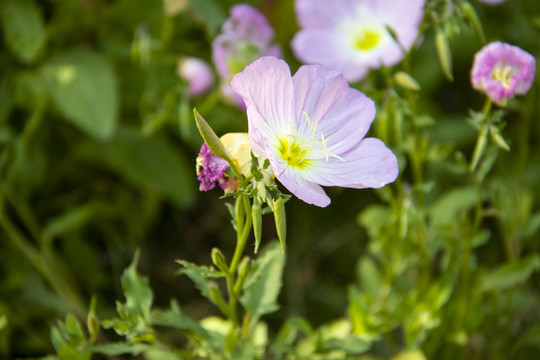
(367,39)
(293,153)
(503,74)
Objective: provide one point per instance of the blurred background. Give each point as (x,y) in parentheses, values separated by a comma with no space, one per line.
(97,159)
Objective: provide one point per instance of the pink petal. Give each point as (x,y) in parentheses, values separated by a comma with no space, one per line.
(267,89)
(371,164)
(337,110)
(323,13)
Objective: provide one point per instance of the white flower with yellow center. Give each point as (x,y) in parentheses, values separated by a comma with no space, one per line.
(352,36)
(311,127)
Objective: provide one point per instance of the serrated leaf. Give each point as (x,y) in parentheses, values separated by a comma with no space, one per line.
(137,291)
(113,349)
(511,274)
(83,86)
(24,31)
(176,319)
(263,283)
(201,276)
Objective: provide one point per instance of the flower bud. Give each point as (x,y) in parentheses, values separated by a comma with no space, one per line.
(196,73)
(243,271)
(257,222)
(281,221)
(219,260)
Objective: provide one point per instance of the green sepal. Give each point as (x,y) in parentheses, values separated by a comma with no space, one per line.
(281,221)
(471,17)
(444,53)
(257,222)
(214,143)
(497,137)
(406,81)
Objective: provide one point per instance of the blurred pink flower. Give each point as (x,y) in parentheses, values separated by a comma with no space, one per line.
(197,73)
(245,36)
(311,127)
(492,2)
(502,71)
(351,36)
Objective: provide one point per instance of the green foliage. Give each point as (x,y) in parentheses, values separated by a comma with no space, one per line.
(24,31)
(262,285)
(83,86)
(97,159)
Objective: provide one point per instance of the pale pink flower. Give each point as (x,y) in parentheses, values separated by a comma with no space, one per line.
(197,73)
(492,2)
(245,36)
(311,127)
(502,71)
(352,37)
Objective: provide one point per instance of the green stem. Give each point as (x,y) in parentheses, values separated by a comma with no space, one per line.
(242,235)
(43,265)
(480,146)
(243,229)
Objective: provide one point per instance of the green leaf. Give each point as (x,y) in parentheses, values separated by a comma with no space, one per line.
(113,349)
(446,210)
(201,276)
(159,354)
(174,318)
(374,218)
(510,274)
(498,138)
(24,32)
(210,14)
(410,355)
(139,296)
(83,87)
(370,277)
(152,163)
(263,284)
(73,219)
(472,18)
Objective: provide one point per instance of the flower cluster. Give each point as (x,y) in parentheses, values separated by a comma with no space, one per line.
(244,37)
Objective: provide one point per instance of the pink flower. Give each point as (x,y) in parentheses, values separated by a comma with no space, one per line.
(351,36)
(211,168)
(502,71)
(244,37)
(492,2)
(311,127)
(197,73)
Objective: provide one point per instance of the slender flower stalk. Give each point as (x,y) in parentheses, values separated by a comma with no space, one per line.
(311,127)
